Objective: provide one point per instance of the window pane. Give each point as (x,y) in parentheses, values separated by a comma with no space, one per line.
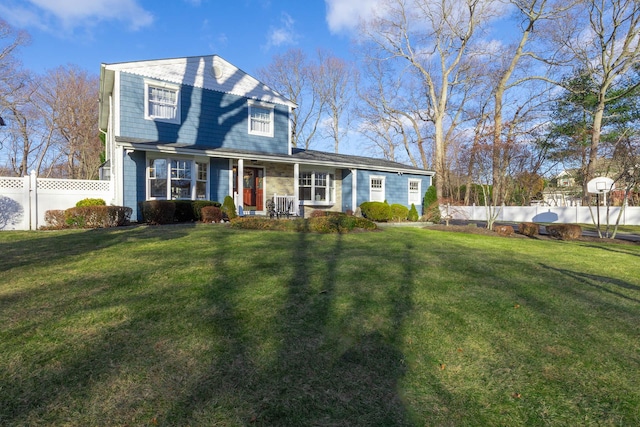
(202,171)
(260,120)
(201,190)
(162,103)
(159,188)
(305,193)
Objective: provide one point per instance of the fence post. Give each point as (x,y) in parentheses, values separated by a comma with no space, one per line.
(33,200)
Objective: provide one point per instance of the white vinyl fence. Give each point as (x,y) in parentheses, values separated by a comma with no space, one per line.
(24,200)
(546,214)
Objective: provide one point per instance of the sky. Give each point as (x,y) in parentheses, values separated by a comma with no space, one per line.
(247,33)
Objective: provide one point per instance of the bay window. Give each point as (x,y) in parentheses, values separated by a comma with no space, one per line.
(176,179)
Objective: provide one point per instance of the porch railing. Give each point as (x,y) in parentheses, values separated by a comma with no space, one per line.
(284,205)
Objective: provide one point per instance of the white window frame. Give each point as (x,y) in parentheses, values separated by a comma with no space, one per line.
(313,179)
(148,85)
(379,193)
(415,196)
(255,105)
(169,168)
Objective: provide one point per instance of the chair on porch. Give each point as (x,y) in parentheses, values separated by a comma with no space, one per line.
(281,206)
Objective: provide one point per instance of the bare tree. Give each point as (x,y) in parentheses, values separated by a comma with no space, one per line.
(335,78)
(389,112)
(66,99)
(295,77)
(432,38)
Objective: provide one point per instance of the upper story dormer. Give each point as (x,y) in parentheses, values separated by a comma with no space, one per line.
(201,102)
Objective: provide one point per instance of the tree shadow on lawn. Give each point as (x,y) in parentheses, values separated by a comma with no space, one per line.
(602,283)
(313,379)
(49,247)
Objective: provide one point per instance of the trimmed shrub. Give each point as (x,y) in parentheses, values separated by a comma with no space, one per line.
(365,224)
(331,222)
(212,214)
(90,202)
(317,213)
(399,212)
(430,206)
(413,215)
(55,220)
(564,231)
(503,230)
(376,211)
(184,211)
(97,216)
(529,229)
(157,211)
(229,207)
(197,206)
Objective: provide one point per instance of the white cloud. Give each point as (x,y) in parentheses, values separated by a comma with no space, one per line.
(73,14)
(346,15)
(285,34)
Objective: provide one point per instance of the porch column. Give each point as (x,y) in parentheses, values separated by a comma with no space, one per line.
(240,201)
(296,185)
(354,189)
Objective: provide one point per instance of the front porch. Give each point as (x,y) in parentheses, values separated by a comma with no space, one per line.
(256,183)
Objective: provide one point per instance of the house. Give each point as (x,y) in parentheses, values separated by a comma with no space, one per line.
(200,128)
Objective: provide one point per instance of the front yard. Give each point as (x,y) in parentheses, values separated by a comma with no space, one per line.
(208,325)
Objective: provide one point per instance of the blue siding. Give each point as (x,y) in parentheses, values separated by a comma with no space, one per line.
(396,187)
(347,190)
(209,120)
(219,181)
(135,189)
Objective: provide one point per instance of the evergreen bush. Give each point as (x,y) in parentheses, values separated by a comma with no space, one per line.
(158,211)
(376,211)
(229,207)
(90,202)
(430,206)
(413,213)
(399,212)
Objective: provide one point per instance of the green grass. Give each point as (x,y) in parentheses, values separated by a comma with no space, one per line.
(205,325)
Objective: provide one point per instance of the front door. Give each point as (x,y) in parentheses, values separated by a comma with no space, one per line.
(252,193)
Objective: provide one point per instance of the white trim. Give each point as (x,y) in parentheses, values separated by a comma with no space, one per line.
(378,192)
(265,106)
(231,178)
(418,192)
(330,195)
(161,85)
(354,189)
(115,112)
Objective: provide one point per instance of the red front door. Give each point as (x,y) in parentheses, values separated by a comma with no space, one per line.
(252,194)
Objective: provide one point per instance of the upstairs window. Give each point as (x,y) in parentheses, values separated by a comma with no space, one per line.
(162,102)
(260,119)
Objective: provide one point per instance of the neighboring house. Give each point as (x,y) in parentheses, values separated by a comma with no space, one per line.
(200,128)
(566,179)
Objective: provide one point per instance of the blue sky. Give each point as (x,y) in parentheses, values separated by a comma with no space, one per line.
(245,32)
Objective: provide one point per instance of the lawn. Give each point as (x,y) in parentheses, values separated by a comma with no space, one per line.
(205,325)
